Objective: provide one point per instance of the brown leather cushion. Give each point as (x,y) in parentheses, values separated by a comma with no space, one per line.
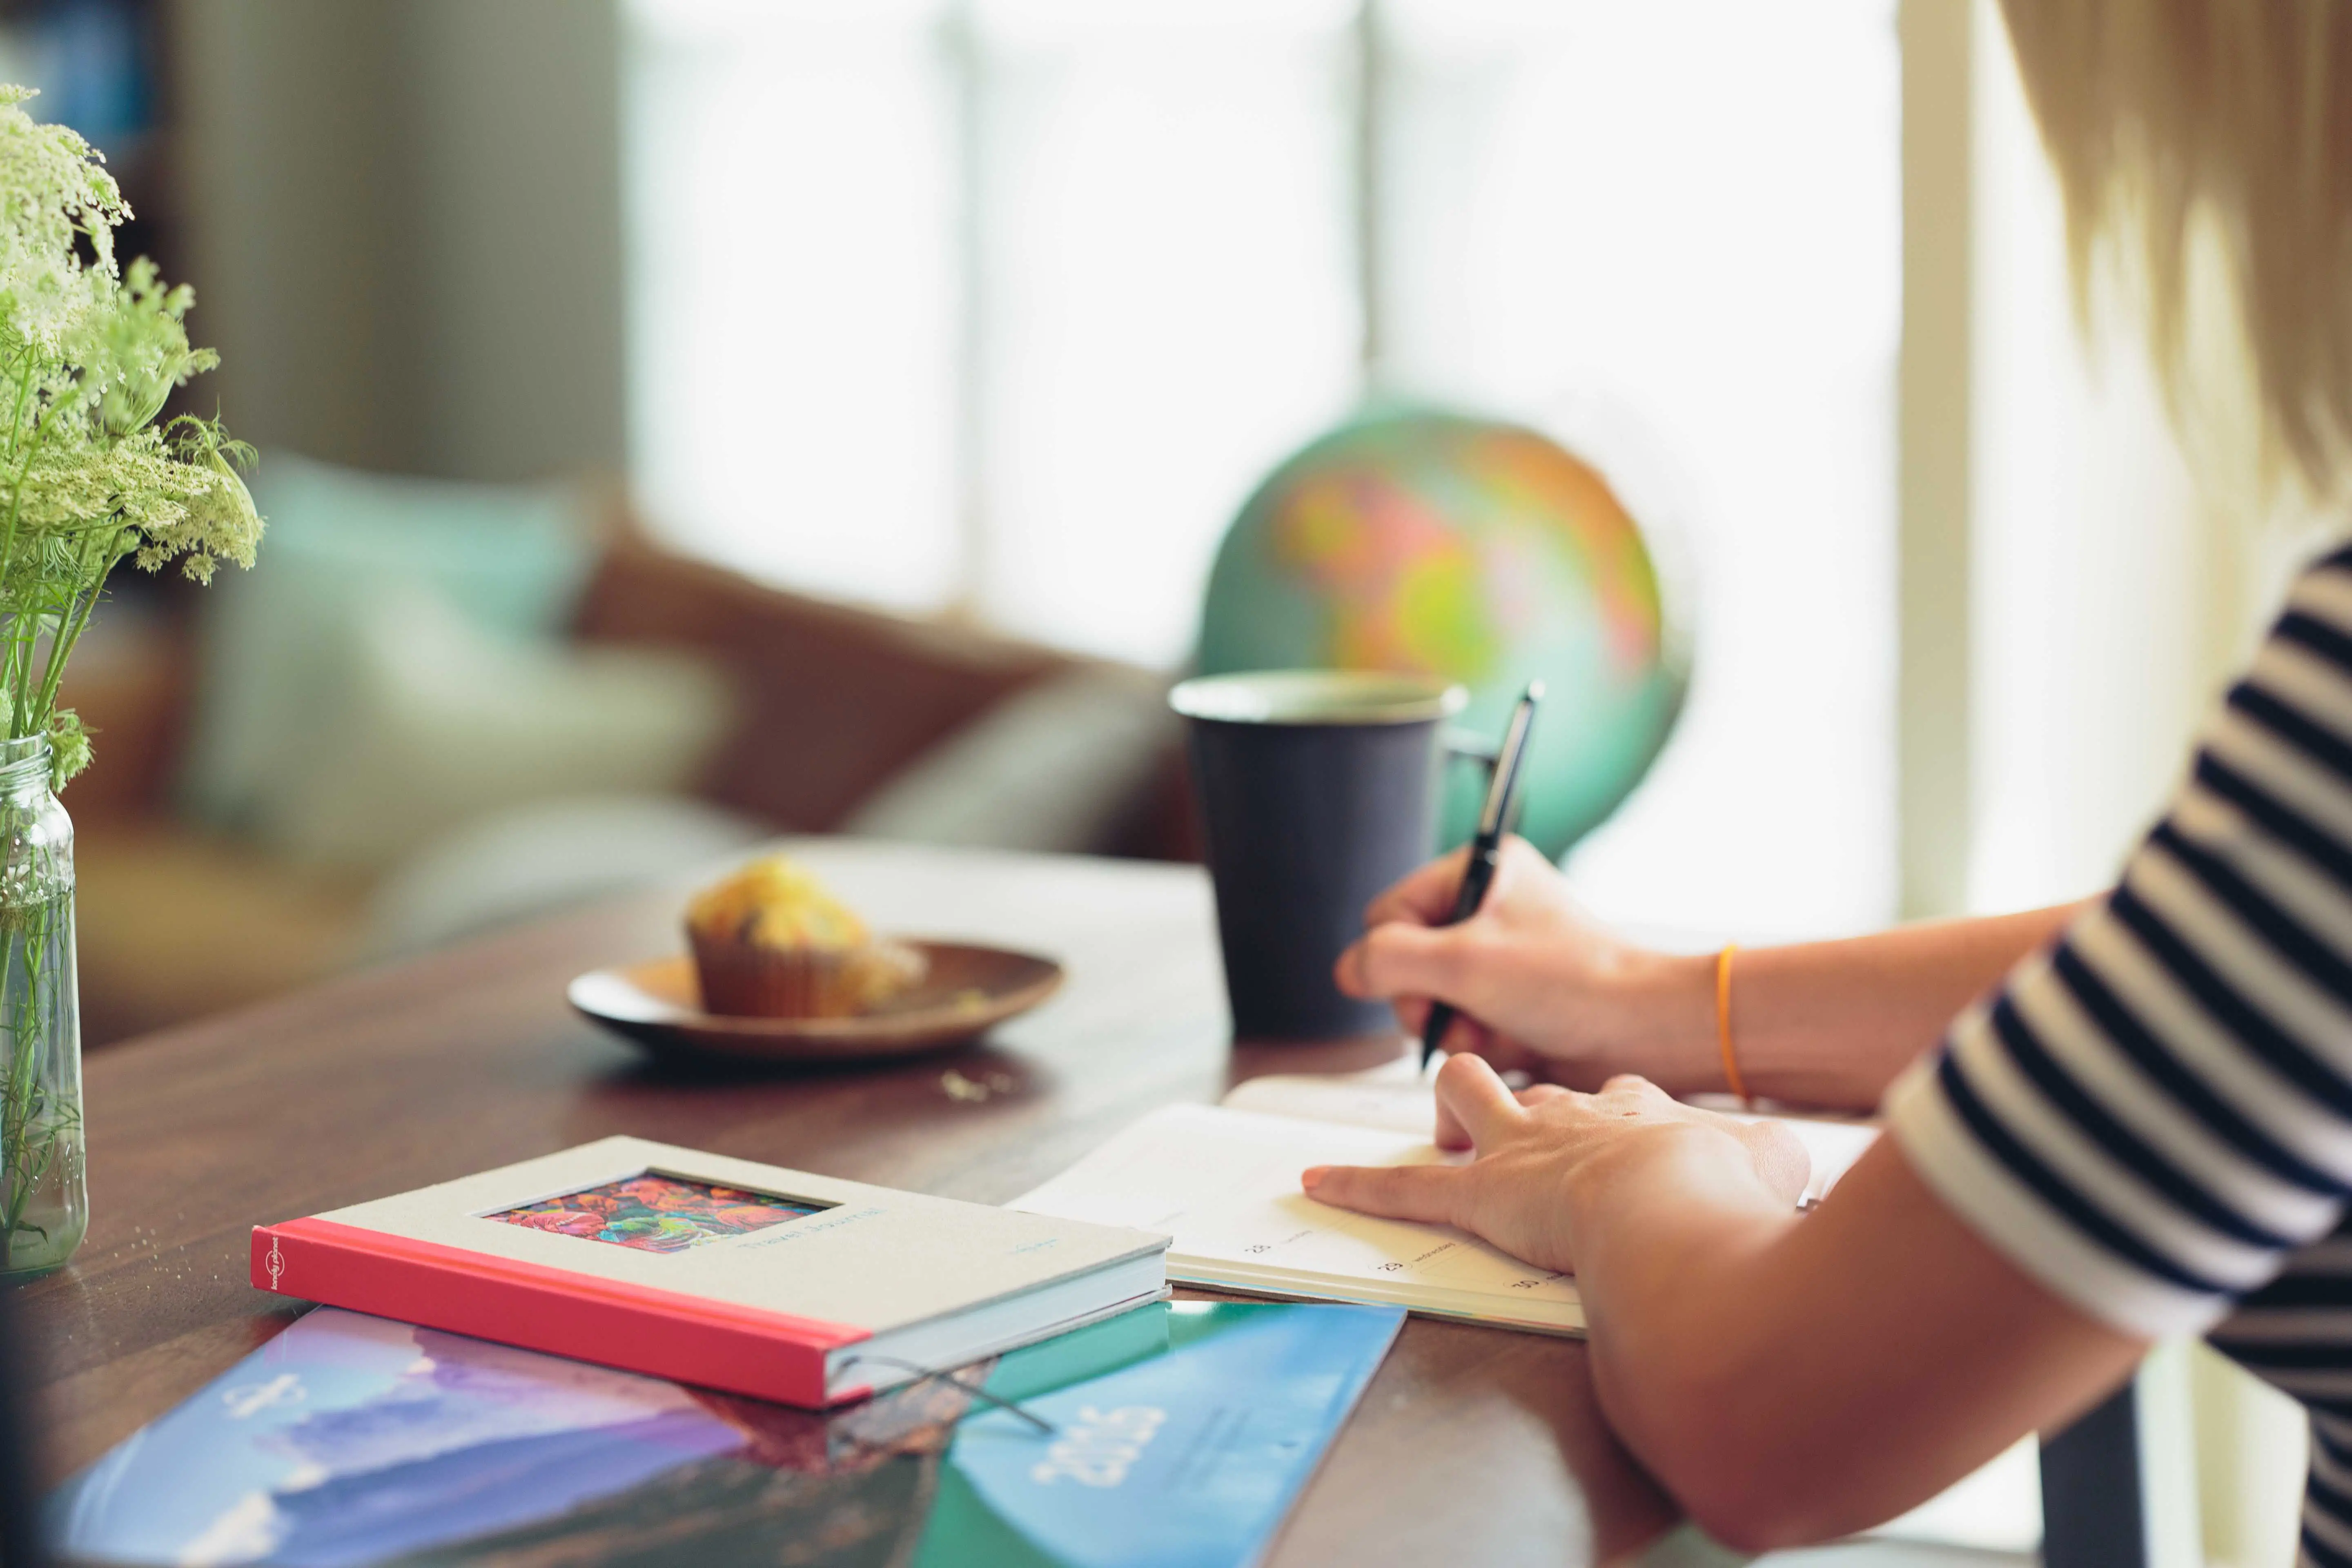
(834,698)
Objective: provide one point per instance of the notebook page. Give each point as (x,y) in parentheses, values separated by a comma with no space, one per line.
(1397,1098)
(1393,1095)
(1224,1183)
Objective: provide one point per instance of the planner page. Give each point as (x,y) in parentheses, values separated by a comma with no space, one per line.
(1224,1183)
(1398,1096)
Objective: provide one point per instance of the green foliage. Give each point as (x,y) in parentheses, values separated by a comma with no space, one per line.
(89,353)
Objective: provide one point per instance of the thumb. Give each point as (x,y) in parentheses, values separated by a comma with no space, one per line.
(1402,960)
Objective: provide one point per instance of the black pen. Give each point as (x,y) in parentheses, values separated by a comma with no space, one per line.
(1502,795)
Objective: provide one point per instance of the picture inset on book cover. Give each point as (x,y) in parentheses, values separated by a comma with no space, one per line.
(659,1213)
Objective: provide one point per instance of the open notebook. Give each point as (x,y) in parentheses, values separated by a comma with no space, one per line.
(1224,1182)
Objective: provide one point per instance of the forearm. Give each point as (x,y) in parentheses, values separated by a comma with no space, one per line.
(1795,1379)
(1823,1023)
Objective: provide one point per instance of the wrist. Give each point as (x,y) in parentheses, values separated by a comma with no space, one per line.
(1660,1012)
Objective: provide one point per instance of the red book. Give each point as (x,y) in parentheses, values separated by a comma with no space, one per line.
(747,1277)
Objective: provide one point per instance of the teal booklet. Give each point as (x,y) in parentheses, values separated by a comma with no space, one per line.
(1182,1434)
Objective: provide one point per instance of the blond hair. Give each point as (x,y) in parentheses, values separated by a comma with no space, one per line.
(2171,119)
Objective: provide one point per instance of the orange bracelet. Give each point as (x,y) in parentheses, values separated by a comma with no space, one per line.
(1723,1021)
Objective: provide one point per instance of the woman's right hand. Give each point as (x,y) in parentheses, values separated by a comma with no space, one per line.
(1537,984)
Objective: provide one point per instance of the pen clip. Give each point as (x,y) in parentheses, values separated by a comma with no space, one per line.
(1504,786)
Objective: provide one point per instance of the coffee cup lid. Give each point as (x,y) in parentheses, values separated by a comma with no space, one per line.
(1318,696)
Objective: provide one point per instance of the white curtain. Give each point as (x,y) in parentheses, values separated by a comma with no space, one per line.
(1004,306)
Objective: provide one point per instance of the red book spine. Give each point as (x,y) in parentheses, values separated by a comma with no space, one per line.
(665,1334)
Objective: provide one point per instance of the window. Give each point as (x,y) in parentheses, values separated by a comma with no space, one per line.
(1002,307)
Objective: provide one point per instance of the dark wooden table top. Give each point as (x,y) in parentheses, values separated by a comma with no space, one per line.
(1471,1445)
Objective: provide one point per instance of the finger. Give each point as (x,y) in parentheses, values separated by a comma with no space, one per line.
(1474,1095)
(1393,1192)
(1470,1037)
(1467,1037)
(1464,1035)
(1509,1056)
(1520,854)
(1631,1094)
(1452,1134)
(1628,1083)
(1402,960)
(1348,970)
(1422,897)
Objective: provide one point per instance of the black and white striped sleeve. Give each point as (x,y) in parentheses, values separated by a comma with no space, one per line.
(2153,1116)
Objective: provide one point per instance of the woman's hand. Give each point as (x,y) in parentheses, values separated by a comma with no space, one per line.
(1545,1153)
(1538,984)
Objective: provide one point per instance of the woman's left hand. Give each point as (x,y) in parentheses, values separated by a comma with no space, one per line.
(1538,1150)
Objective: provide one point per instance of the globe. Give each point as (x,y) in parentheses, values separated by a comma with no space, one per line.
(1437,543)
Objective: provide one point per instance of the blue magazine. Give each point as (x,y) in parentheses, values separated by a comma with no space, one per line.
(1182,1433)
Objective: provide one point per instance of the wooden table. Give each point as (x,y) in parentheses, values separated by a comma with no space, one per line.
(1473,1445)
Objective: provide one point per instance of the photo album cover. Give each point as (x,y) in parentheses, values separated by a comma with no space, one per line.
(719,1272)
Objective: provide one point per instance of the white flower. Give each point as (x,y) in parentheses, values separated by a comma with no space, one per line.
(89,356)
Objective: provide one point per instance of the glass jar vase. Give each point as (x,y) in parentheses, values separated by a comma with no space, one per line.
(43,1203)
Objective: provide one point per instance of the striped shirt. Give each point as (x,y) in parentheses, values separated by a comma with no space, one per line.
(2153,1117)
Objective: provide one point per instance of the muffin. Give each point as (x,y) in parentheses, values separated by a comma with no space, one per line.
(771,942)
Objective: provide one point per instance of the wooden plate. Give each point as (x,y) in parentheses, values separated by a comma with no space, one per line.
(966,990)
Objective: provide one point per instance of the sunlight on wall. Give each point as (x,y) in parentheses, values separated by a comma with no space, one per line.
(2091,602)
(1611,224)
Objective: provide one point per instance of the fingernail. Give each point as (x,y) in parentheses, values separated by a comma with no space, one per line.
(1308,1178)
